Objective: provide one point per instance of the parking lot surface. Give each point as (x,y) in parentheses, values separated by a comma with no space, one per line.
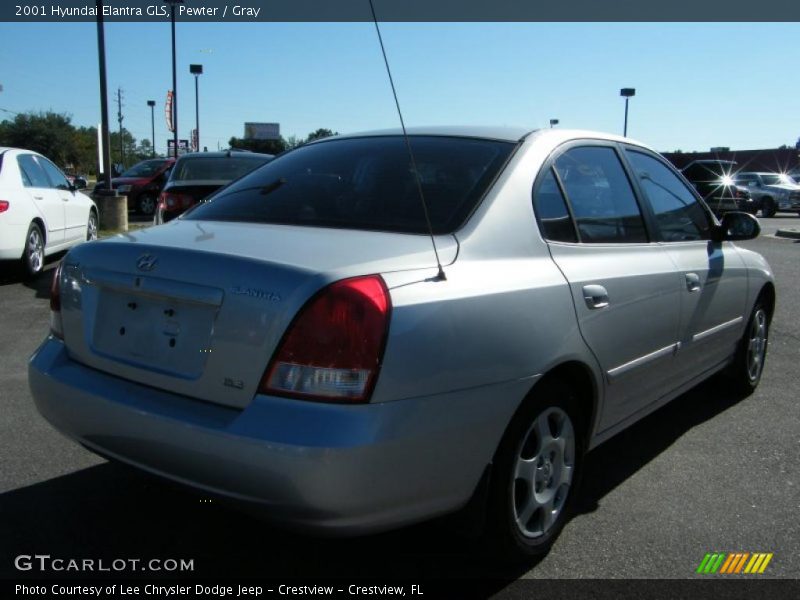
(711,472)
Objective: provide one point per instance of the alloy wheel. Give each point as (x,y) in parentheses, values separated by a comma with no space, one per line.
(543,472)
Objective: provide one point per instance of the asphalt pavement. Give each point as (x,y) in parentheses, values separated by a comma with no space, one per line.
(710,472)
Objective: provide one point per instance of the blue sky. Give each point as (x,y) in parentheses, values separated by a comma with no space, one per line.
(697,84)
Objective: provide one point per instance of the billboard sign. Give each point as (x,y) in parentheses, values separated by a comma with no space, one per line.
(262,131)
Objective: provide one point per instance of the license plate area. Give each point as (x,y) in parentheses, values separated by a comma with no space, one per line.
(158,333)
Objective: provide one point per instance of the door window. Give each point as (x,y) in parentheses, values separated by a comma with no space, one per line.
(551,211)
(601,197)
(32,174)
(678,214)
(57,178)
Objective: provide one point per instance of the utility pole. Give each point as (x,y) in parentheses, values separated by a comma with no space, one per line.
(119,118)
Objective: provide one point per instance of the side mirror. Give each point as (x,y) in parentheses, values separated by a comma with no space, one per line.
(736,226)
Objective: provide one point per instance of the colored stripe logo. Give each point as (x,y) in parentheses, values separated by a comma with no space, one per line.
(734,563)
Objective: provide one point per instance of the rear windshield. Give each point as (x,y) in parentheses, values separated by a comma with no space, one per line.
(217,169)
(365,183)
(144,169)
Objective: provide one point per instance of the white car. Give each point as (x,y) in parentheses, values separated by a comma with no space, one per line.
(41,213)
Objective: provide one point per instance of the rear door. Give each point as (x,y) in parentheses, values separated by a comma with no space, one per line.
(76,212)
(713,275)
(45,198)
(624,287)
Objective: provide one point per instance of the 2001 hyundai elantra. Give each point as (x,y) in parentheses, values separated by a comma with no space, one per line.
(293,343)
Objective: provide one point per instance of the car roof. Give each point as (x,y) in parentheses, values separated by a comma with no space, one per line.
(508,134)
(224,154)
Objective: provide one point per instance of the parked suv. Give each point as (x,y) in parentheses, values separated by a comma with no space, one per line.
(714,181)
(142,183)
(772,191)
(349,341)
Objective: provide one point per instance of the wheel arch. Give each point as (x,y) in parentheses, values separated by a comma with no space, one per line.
(40,222)
(767,294)
(580,377)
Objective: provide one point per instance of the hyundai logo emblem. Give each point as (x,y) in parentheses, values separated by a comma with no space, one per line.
(146,262)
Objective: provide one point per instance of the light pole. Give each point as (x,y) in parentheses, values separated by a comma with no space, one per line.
(152,105)
(626,93)
(196,70)
(553,123)
(172,4)
(104,135)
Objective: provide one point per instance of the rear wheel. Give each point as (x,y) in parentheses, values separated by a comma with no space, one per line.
(768,208)
(748,365)
(536,472)
(33,254)
(147,204)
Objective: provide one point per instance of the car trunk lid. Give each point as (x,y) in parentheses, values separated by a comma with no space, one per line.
(198,308)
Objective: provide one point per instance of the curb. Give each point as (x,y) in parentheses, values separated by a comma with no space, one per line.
(788,233)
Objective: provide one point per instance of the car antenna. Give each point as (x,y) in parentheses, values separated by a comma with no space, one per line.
(440,276)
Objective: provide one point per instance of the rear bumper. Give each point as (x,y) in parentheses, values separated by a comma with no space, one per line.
(12,241)
(322,467)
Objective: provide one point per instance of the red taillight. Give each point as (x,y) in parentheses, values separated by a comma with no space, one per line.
(4,205)
(56,327)
(333,349)
(171,201)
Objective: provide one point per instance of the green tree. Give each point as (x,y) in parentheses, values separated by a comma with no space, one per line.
(320,133)
(48,133)
(264,146)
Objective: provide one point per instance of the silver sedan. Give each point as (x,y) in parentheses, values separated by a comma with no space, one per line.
(351,339)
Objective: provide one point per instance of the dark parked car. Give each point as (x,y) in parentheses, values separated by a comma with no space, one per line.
(198,175)
(142,183)
(714,180)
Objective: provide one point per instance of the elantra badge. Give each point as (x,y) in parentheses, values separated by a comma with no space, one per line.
(146,262)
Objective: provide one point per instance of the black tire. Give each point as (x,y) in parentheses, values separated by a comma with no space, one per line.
(91,226)
(748,364)
(146,204)
(511,497)
(768,208)
(33,253)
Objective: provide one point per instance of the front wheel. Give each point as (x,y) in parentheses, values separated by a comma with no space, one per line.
(768,208)
(748,365)
(535,474)
(91,227)
(33,254)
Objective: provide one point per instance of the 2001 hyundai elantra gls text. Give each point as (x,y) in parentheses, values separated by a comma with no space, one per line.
(292,344)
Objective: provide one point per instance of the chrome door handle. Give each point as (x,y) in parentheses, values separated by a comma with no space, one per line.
(692,282)
(595,296)
(38,197)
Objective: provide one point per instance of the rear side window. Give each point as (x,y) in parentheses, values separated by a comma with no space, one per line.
(551,211)
(220,169)
(32,174)
(679,216)
(601,197)
(366,183)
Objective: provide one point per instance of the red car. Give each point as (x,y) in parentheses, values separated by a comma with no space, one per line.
(142,183)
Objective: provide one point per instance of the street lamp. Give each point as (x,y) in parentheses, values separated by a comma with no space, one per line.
(152,104)
(196,70)
(553,123)
(172,4)
(626,93)
(105,138)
